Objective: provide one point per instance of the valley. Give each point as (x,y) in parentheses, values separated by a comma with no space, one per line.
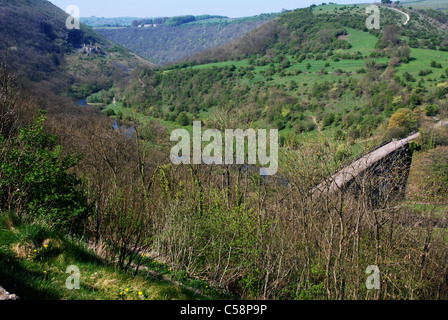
(87,119)
(167,43)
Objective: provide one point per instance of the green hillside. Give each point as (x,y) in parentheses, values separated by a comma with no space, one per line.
(290,75)
(334,80)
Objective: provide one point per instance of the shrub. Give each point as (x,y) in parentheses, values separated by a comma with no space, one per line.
(440,168)
(329,119)
(110,112)
(409,77)
(403,118)
(425,72)
(435,64)
(35,180)
(433,137)
(354,133)
(432,110)
(183,119)
(396,133)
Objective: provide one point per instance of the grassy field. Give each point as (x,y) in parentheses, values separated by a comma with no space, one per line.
(421,60)
(329,8)
(361,41)
(426,4)
(238,64)
(33,261)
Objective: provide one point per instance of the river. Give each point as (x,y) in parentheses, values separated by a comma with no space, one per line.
(82,102)
(129,130)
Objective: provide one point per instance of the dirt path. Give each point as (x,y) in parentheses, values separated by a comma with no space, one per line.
(317,125)
(408,18)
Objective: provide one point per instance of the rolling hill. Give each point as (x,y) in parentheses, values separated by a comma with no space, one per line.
(426,4)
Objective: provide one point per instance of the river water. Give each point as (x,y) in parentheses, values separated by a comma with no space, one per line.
(82,102)
(129,130)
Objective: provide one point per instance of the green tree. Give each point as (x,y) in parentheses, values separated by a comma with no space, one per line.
(183,119)
(432,109)
(403,118)
(34,180)
(110,112)
(329,119)
(408,77)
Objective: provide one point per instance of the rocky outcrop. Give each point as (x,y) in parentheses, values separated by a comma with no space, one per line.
(5,295)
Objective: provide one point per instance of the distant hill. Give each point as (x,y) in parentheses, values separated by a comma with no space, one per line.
(43,49)
(299,32)
(175,21)
(108,22)
(167,40)
(426,4)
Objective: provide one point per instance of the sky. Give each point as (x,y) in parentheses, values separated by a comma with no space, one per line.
(169,8)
